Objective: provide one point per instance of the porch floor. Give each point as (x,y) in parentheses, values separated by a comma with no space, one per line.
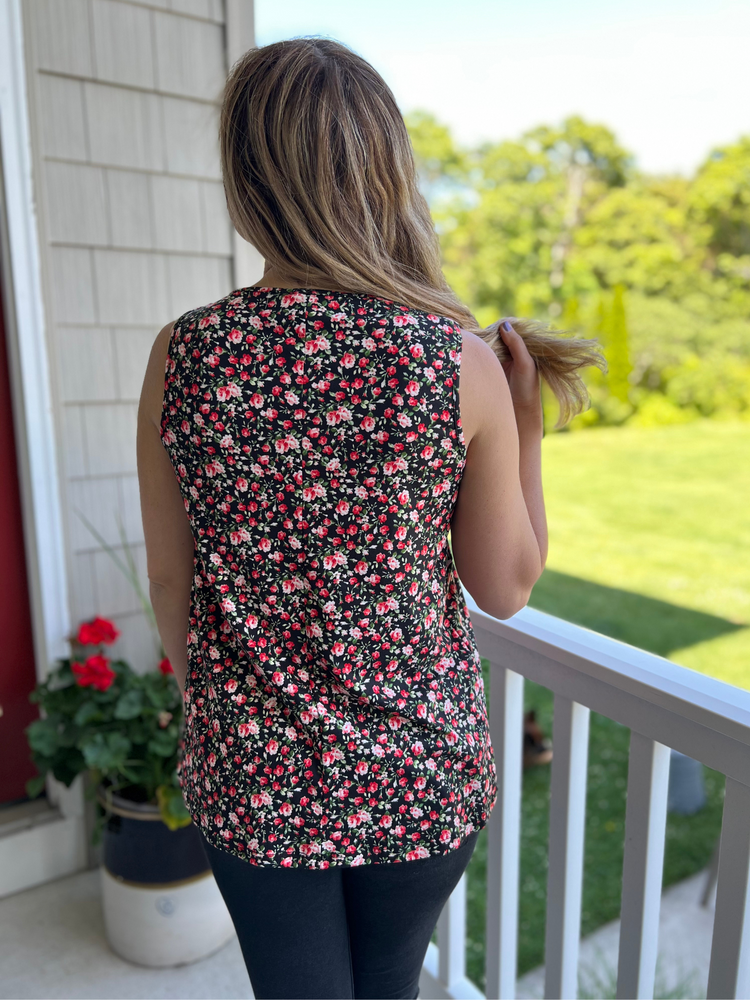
(54,947)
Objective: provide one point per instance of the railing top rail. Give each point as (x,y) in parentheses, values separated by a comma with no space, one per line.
(653,680)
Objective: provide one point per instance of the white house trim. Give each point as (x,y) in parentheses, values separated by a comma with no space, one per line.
(45,550)
(56,844)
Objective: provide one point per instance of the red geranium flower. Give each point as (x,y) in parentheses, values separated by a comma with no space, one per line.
(95,672)
(166,667)
(97,632)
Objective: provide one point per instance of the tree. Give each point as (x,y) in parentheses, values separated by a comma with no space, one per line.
(616,348)
(559,224)
(441,164)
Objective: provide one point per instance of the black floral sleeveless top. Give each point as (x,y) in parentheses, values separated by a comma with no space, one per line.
(334,707)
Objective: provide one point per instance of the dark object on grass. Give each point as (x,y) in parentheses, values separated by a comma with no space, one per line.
(687,791)
(537,748)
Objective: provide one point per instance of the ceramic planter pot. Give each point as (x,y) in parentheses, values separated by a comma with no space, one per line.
(162,906)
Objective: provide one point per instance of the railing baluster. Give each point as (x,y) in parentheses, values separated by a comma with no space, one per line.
(451,931)
(645,825)
(504,828)
(567,824)
(729,974)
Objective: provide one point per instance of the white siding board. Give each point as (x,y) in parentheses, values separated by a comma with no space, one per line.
(123,43)
(76,203)
(72,285)
(83,590)
(190,56)
(217,227)
(124,127)
(62,125)
(177,213)
(129,206)
(73,442)
(86,364)
(135,232)
(212,9)
(62,36)
(138,644)
(191,132)
(131,287)
(114,591)
(132,348)
(98,501)
(130,506)
(197,281)
(110,437)
(218,11)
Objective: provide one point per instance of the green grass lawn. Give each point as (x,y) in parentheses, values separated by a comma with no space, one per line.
(661,514)
(649,532)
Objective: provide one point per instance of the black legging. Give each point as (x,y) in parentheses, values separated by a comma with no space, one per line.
(341,932)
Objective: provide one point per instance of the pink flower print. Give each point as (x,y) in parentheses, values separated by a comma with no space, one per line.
(333,560)
(396,465)
(316,441)
(417,854)
(239,536)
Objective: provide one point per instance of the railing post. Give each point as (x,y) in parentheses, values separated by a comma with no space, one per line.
(729,973)
(567,821)
(451,931)
(643,863)
(504,829)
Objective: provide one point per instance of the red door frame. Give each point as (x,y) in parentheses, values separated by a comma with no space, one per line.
(17,667)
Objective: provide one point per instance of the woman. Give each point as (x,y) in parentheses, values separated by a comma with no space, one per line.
(300,470)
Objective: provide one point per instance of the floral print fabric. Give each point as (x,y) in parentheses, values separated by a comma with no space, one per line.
(334,709)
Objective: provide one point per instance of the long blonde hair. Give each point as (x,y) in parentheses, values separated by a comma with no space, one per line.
(319,176)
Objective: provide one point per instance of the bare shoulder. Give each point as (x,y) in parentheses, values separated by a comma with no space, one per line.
(482,384)
(152,393)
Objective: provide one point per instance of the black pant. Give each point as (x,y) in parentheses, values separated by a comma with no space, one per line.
(341,932)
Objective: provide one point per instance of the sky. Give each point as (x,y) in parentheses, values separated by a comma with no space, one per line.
(671,78)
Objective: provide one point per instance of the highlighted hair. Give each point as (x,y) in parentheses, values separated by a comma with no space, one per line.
(319,176)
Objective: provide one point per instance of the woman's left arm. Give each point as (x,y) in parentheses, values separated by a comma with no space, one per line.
(169,540)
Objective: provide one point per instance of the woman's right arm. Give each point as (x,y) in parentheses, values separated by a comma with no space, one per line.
(499,527)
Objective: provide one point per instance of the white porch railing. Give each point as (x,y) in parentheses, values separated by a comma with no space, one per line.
(664,705)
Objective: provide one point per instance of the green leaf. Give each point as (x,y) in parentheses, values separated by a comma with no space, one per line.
(172,807)
(105,751)
(44,736)
(67,764)
(130,705)
(163,743)
(35,785)
(88,712)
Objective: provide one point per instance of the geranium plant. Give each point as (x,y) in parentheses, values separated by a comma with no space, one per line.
(100,716)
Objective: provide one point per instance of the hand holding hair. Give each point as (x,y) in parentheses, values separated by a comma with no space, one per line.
(522,374)
(557,357)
